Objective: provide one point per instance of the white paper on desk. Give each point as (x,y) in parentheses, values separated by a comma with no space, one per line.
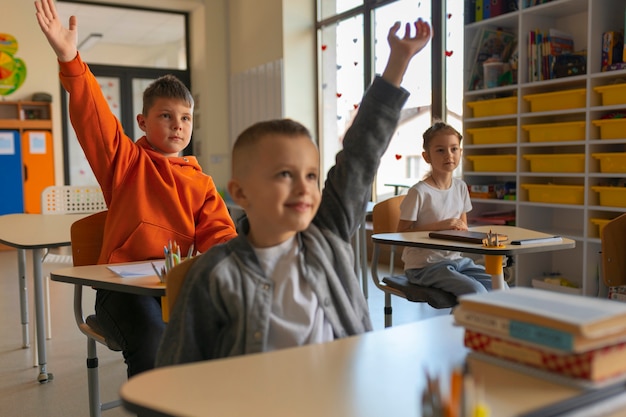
(143,269)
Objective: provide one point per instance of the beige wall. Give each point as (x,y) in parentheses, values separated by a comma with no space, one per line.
(226,37)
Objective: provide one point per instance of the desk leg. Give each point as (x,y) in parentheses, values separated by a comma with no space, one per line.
(21,271)
(39,315)
(493,266)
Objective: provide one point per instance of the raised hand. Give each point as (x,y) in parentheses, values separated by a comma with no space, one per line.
(63,40)
(404,48)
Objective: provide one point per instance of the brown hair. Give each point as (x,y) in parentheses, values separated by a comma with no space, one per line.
(167,86)
(439,128)
(253,134)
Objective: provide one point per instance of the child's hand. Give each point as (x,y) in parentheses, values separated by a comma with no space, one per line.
(62,40)
(454,224)
(403,49)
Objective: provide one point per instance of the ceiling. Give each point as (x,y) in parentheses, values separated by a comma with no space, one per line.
(124,26)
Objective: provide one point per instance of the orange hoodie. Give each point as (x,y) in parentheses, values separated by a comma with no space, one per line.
(151,198)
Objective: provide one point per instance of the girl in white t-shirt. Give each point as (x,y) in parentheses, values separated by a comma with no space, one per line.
(440,202)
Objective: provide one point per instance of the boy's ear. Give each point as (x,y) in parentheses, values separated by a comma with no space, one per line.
(141,122)
(237,192)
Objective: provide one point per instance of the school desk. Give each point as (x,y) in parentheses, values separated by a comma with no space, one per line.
(35,232)
(376,374)
(422,240)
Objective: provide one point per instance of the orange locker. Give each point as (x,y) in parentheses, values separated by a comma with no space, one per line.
(38,165)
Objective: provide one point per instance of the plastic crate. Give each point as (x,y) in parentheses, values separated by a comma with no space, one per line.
(611,128)
(494,107)
(493,163)
(557,194)
(600,223)
(611,162)
(612,94)
(491,135)
(558,100)
(570,162)
(611,196)
(556,132)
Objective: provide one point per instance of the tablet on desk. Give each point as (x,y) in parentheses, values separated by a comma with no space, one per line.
(468,236)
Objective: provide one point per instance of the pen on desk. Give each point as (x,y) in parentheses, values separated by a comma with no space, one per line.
(157,271)
(548,239)
(190,252)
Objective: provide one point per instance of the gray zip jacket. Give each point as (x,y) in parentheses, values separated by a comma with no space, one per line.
(225,302)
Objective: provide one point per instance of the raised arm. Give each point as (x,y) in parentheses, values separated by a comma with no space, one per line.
(403,49)
(63,40)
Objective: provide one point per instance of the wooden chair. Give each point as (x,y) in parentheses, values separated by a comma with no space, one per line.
(173,282)
(86,237)
(614,252)
(385,219)
(67,199)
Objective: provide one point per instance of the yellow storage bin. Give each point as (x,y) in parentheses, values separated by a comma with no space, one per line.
(493,163)
(491,135)
(611,128)
(600,223)
(558,100)
(611,196)
(494,107)
(555,132)
(611,161)
(558,194)
(570,162)
(612,94)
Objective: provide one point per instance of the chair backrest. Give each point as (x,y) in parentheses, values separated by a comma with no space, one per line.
(69,199)
(386,215)
(614,252)
(173,283)
(86,236)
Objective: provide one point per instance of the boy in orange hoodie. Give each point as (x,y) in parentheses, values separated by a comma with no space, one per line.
(153,194)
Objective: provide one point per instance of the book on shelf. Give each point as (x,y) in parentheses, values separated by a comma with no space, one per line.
(594,365)
(533,334)
(543,48)
(579,315)
(488,43)
(478,10)
(612,48)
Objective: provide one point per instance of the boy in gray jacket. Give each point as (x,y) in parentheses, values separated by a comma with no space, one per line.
(288,279)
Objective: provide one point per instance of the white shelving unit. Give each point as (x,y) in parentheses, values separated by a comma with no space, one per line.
(586,20)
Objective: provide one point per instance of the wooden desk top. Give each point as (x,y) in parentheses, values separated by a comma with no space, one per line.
(99,276)
(421,240)
(376,374)
(32,231)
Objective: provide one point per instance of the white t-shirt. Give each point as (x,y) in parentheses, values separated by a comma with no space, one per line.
(296,318)
(426,204)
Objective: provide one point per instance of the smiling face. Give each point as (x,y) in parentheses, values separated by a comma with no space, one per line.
(275,180)
(168,125)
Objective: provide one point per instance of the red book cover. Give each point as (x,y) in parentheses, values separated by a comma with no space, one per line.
(593,365)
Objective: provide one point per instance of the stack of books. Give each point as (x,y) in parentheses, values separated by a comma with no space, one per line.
(574,338)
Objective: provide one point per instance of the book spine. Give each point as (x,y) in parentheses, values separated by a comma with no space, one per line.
(479,10)
(518,330)
(470,11)
(577,365)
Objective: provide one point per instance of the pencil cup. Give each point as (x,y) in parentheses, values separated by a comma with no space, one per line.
(491,73)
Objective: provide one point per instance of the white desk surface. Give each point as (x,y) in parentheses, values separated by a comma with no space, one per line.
(376,374)
(421,239)
(99,276)
(31,231)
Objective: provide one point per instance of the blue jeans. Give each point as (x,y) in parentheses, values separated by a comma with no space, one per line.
(135,322)
(459,276)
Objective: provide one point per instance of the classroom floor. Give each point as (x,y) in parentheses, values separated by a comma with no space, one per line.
(66,395)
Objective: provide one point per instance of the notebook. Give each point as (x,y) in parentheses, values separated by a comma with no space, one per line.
(464,236)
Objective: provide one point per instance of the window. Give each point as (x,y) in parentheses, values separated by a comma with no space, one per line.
(352,48)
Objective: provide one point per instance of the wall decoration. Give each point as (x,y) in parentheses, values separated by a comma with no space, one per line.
(12,69)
